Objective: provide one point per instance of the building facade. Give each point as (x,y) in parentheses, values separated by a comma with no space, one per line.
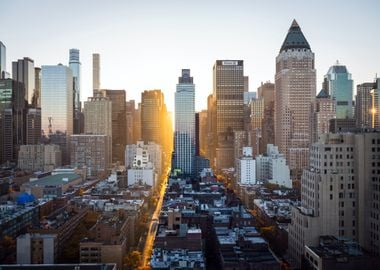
(272,168)
(294,96)
(119,123)
(98,119)
(325,110)
(95,72)
(184,134)
(57,117)
(339,85)
(246,168)
(75,66)
(90,151)
(39,157)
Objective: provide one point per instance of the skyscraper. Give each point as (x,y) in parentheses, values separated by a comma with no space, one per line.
(266,92)
(95,71)
(184,135)
(36,102)
(33,126)
(75,65)
(98,119)
(228,97)
(339,85)
(339,194)
(228,89)
(294,96)
(57,105)
(152,103)
(156,124)
(119,123)
(367,105)
(325,110)
(3,61)
(23,72)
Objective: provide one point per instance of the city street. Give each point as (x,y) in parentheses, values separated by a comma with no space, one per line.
(146,253)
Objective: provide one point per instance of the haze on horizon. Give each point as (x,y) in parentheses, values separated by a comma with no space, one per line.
(145,44)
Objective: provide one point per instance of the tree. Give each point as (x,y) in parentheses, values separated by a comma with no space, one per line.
(133,259)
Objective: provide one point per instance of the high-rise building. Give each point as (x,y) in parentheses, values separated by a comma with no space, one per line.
(33,126)
(57,106)
(228,89)
(36,101)
(328,200)
(130,113)
(3,60)
(75,66)
(324,112)
(95,72)
(246,83)
(257,107)
(152,103)
(368,105)
(90,151)
(12,119)
(184,134)
(156,122)
(228,97)
(119,123)
(202,132)
(339,193)
(295,88)
(98,119)
(7,93)
(266,92)
(367,177)
(339,86)
(23,72)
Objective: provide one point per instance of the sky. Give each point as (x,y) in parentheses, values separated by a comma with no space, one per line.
(145,44)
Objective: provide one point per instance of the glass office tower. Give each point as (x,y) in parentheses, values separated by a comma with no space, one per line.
(57,105)
(339,84)
(184,135)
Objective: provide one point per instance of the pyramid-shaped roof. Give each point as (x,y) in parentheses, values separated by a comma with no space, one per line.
(295,38)
(323,94)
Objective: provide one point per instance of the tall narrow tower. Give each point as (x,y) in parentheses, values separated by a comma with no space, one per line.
(295,87)
(184,135)
(75,65)
(95,72)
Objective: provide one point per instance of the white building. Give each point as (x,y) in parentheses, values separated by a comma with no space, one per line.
(141,170)
(328,195)
(272,168)
(246,168)
(153,150)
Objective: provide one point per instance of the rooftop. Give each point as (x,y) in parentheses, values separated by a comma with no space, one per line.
(295,39)
(58,179)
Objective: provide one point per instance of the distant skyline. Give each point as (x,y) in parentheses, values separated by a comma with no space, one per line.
(145,44)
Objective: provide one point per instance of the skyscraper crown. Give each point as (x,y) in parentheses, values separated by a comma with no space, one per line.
(295,38)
